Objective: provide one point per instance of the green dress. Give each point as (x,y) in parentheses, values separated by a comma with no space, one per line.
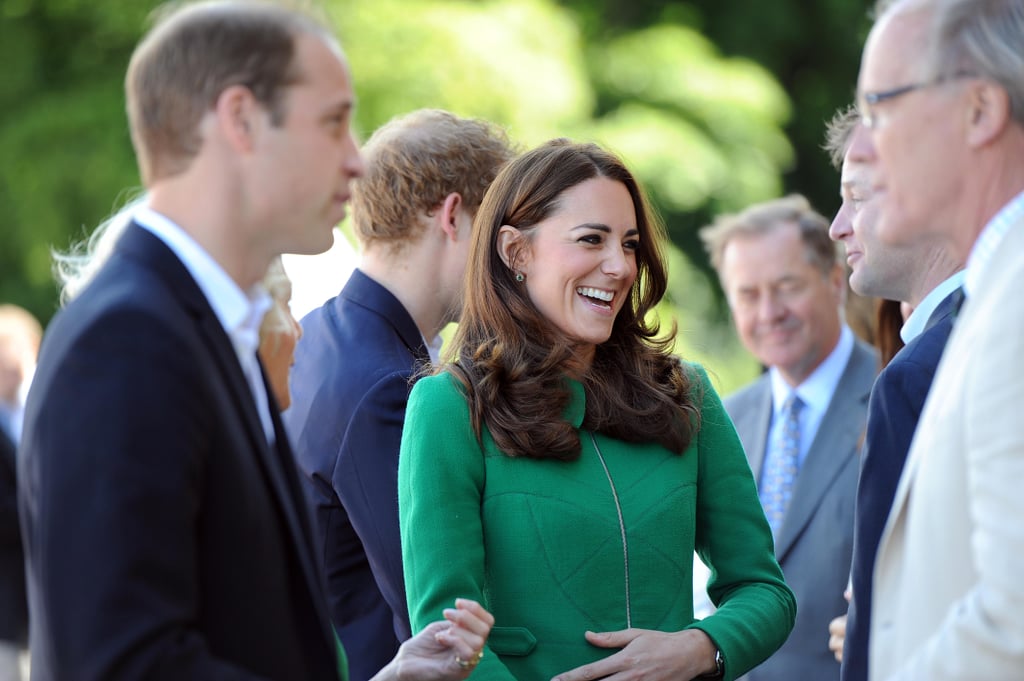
(555,548)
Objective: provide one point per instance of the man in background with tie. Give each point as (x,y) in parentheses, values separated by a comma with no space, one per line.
(801,423)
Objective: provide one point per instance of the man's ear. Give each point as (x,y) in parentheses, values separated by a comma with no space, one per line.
(512,248)
(236,111)
(988,112)
(449,213)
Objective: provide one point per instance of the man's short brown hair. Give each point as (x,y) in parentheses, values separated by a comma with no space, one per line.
(763,218)
(195,52)
(839,132)
(413,162)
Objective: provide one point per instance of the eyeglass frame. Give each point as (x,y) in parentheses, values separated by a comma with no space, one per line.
(877,97)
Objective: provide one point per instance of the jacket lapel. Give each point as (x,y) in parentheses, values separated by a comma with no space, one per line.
(950,305)
(752,421)
(281,461)
(272,460)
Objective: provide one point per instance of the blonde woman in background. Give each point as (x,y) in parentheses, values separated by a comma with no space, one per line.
(279,333)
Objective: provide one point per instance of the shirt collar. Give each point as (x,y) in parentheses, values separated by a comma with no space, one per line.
(988,241)
(918,319)
(434,348)
(11,416)
(239,312)
(817,389)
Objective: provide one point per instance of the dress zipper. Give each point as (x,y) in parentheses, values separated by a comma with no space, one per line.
(622,526)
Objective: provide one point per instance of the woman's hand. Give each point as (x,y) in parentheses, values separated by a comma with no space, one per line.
(443,651)
(837,631)
(837,636)
(648,655)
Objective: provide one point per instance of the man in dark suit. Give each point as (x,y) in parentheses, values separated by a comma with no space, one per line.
(20,334)
(164,528)
(425,177)
(802,421)
(927,276)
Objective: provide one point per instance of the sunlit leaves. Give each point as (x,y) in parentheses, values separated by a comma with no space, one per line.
(515,62)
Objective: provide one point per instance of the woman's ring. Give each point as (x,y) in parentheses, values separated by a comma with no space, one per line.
(471,662)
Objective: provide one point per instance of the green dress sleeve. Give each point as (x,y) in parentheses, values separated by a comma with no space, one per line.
(440,488)
(756,610)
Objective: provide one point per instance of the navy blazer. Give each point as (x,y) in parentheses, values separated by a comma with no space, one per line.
(13,607)
(897,399)
(164,537)
(353,372)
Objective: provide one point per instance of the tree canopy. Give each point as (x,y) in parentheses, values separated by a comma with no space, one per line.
(713,103)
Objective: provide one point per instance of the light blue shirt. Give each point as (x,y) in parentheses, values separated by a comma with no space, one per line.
(11,417)
(918,319)
(239,312)
(816,392)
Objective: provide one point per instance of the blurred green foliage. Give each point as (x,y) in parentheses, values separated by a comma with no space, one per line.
(713,103)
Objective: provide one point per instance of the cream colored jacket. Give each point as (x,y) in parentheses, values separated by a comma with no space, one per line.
(948,601)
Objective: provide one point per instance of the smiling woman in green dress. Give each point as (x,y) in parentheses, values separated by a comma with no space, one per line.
(563,466)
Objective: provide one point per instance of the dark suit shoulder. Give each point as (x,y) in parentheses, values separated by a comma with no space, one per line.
(901,389)
(925,350)
(139,428)
(349,356)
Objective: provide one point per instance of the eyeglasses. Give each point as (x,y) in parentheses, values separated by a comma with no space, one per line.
(868,99)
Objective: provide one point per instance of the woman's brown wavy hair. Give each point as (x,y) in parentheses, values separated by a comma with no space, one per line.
(513,361)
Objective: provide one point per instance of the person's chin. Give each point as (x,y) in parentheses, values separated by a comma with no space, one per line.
(315,242)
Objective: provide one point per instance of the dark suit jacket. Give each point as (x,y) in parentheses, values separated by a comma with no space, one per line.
(165,538)
(13,608)
(351,380)
(896,403)
(816,539)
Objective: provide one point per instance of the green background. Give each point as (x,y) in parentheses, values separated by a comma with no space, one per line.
(713,103)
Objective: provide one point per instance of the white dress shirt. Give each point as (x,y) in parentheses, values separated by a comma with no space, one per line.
(239,312)
(434,348)
(918,319)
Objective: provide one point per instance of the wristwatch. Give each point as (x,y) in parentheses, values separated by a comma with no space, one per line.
(719,672)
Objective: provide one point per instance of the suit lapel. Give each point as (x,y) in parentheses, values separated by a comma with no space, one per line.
(752,421)
(139,243)
(281,461)
(834,445)
(950,305)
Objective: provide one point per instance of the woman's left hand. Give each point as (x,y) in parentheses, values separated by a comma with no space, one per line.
(443,651)
(649,655)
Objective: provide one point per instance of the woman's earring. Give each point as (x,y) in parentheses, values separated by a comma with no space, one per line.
(520,277)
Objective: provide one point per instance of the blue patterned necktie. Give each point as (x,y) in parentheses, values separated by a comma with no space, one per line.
(781,464)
